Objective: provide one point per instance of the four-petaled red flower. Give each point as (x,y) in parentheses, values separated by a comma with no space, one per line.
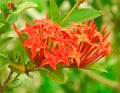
(79,45)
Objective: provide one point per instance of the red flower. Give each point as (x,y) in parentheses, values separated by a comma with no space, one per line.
(79,45)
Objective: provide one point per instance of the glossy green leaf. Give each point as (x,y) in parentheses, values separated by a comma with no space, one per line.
(55,15)
(3,59)
(56,75)
(80,15)
(3,27)
(23,6)
(39,4)
(97,67)
(16,83)
(12,18)
(5,42)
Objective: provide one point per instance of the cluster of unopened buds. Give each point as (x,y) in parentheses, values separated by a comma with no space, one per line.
(78,45)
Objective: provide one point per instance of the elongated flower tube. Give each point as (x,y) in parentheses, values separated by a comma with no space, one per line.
(79,45)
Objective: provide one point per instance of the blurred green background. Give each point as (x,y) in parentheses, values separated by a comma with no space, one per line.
(78,81)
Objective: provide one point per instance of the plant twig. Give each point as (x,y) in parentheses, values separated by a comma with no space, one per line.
(15,78)
(70,12)
(101,79)
(4,86)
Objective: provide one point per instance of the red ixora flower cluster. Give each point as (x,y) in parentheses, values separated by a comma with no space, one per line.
(79,45)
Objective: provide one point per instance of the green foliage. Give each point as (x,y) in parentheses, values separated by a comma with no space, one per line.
(1,17)
(55,14)
(15,63)
(56,75)
(4,42)
(16,83)
(97,67)
(80,15)
(23,6)
(12,18)
(3,59)
(18,68)
(4,9)
(72,2)
(59,2)
(52,87)
(9,90)
(3,26)
(39,4)
(20,50)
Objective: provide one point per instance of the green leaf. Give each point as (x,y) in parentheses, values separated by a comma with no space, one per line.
(17,68)
(21,52)
(97,67)
(3,27)
(59,2)
(12,18)
(3,56)
(5,42)
(11,56)
(23,6)
(4,8)
(1,17)
(56,75)
(3,59)
(16,83)
(39,4)
(80,15)
(1,24)
(55,15)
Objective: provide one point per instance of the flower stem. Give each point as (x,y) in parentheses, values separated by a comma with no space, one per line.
(4,86)
(70,12)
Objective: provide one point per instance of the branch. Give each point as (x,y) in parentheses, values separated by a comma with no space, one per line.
(99,78)
(5,82)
